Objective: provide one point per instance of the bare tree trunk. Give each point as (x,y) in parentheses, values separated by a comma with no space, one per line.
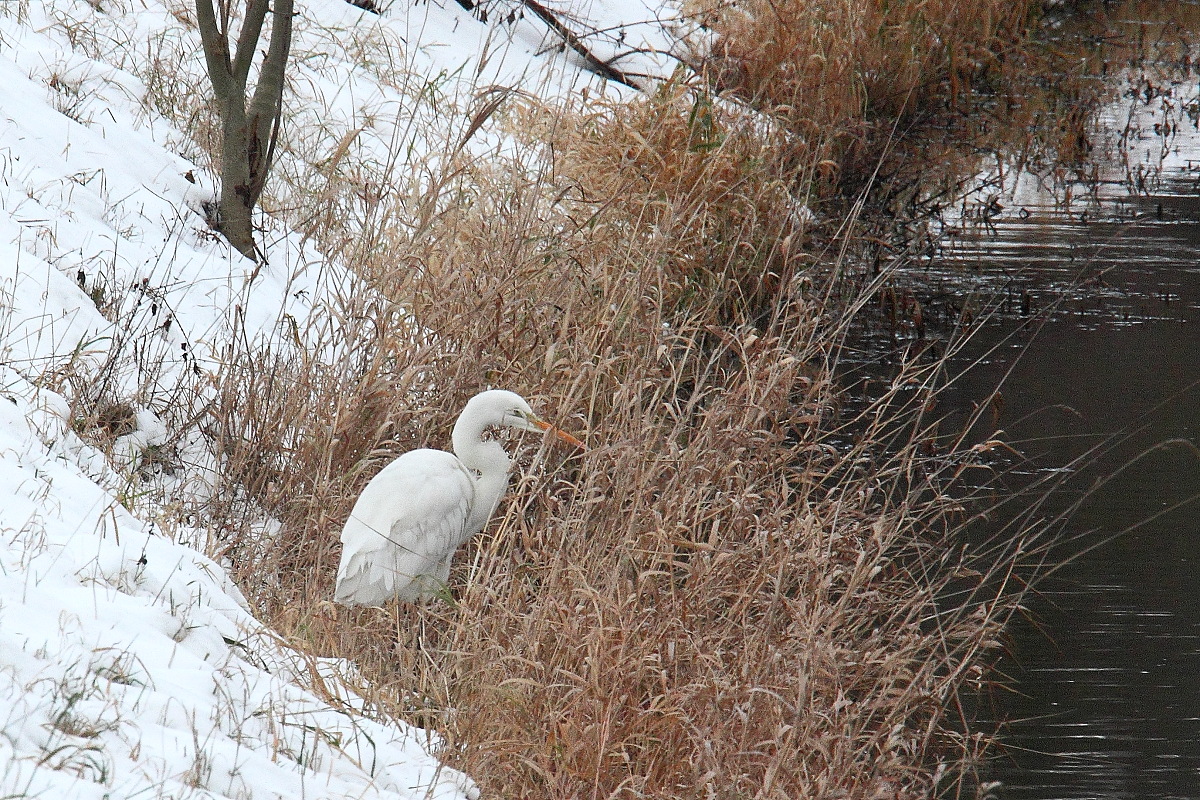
(248,129)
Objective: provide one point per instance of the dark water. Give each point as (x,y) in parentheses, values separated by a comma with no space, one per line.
(1106,669)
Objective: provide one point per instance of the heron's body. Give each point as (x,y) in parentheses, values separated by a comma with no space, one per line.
(413,515)
(407,526)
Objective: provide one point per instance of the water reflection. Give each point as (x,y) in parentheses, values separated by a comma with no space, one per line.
(1107,669)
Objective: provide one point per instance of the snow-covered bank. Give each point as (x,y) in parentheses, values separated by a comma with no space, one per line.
(131,666)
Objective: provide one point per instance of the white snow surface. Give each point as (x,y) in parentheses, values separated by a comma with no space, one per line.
(130,665)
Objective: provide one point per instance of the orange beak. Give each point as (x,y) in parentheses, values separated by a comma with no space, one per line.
(566,437)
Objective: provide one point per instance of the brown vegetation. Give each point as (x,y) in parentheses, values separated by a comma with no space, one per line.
(722,596)
(740,589)
(846,77)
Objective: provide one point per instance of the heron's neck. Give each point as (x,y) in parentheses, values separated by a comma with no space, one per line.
(490,461)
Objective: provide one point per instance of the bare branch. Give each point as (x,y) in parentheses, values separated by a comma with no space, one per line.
(256,14)
(595,64)
(266,107)
(216,47)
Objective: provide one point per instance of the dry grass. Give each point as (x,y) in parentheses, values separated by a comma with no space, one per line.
(734,591)
(712,601)
(844,76)
(740,589)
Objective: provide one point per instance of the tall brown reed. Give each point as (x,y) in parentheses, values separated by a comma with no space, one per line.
(725,595)
(845,76)
(741,588)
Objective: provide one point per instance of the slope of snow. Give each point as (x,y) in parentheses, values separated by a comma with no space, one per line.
(129,664)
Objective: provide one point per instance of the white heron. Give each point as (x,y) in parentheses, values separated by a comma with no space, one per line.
(413,515)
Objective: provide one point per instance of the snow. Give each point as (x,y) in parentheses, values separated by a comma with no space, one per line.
(130,665)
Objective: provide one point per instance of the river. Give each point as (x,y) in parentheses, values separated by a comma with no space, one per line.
(1098,361)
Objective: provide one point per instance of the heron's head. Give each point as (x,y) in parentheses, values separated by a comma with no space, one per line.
(509,409)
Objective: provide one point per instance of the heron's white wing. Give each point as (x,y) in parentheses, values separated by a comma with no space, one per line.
(407,521)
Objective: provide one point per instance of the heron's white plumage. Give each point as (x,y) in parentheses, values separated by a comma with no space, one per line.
(413,515)
(403,525)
